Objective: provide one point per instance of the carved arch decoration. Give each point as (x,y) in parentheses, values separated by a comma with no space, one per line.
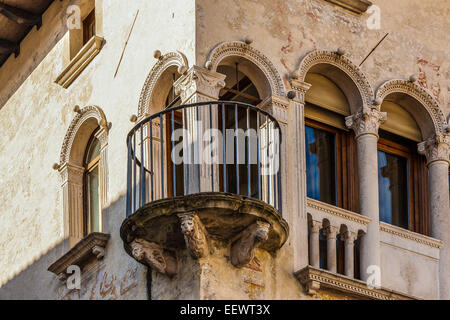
(421,95)
(344,64)
(82,115)
(88,120)
(165,61)
(241,49)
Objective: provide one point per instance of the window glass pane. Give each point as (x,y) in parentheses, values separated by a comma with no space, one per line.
(93,201)
(320,165)
(393,189)
(94,151)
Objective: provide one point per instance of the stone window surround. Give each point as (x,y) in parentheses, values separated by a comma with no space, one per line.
(72,173)
(78,56)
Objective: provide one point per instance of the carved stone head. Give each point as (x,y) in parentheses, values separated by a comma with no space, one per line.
(187,223)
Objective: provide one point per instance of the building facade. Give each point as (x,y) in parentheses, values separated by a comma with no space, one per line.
(338,187)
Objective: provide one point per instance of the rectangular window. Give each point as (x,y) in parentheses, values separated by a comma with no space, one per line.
(402,184)
(89,27)
(393,189)
(331,166)
(320,165)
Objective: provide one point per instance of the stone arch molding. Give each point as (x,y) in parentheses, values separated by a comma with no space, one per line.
(165,61)
(82,115)
(342,63)
(241,49)
(418,93)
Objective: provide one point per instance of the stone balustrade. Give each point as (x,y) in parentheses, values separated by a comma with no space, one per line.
(334,221)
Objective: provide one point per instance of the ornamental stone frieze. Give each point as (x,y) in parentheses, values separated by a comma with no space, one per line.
(436,148)
(366,121)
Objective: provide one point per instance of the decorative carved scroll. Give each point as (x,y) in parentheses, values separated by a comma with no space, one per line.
(152,255)
(194,235)
(242,249)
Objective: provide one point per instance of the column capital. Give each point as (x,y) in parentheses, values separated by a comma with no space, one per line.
(349,237)
(436,148)
(300,88)
(315,225)
(277,106)
(331,232)
(201,81)
(366,121)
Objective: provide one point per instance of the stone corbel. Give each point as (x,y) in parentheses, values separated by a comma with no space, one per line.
(201,81)
(195,235)
(436,148)
(366,121)
(154,256)
(244,245)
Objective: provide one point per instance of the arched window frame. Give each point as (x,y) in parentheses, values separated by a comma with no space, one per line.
(88,121)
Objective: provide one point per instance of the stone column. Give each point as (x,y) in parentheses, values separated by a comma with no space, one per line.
(331,249)
(349,253)
(437,150)
(365,123)
(297,179)
(314,243)
(199,85)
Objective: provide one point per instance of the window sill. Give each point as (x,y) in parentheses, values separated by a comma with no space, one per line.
(313,280)
(80,62)
(89,249)
(356,6)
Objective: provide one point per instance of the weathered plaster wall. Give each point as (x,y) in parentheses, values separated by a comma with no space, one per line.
(287,30)
(34,120)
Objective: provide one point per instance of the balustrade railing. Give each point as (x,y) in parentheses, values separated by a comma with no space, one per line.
(216,146)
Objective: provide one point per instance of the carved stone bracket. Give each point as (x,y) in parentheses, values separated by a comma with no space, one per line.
(436,148)
(199,80)
(195,235)
(154,256)
(243,248)
(89,248)
(366,121)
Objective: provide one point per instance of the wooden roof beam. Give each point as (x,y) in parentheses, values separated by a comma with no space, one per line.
(20,16)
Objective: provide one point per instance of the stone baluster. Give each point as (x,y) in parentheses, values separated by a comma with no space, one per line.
(331,249)
(314,243)
(437,150)
(365,123)
(350,238)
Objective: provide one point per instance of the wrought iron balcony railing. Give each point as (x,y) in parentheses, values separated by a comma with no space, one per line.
(216,146)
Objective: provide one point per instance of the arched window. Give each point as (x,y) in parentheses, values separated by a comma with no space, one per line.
(92,193)
(331,174)
(402,172)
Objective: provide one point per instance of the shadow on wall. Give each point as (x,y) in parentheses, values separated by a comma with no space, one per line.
(116,276)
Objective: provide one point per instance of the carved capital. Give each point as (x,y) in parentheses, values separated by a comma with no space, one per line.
(349,237)
(201,81)
(243,248)
(195,235)
(331,232)
(300,88)
(314,226)
(366,121)
(436,148)
(277,106)
(154,256)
